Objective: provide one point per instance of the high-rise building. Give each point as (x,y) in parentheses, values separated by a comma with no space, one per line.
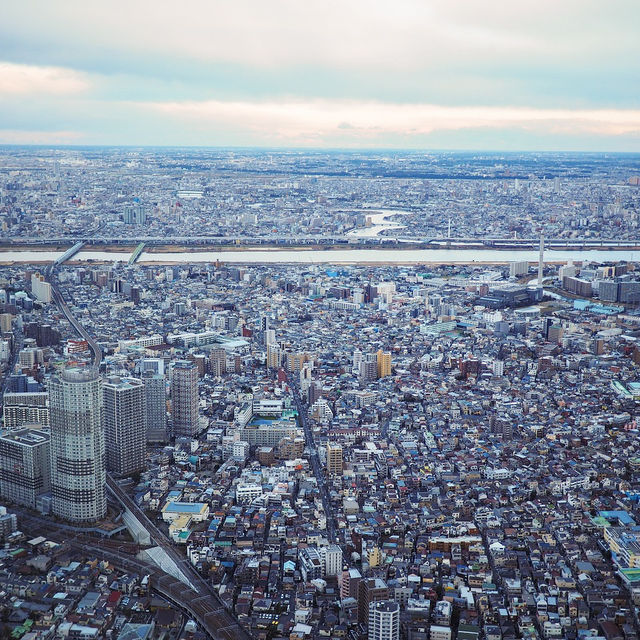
(275,355)
(218,361)
(370,590)
(357,361)
(40,288)
(155,406)
(184,398)
(332,559)
(156,365)
(124,427)
(384,620)
(518,268)
(5,322)
(78,470)
(134,214)
(383,361)
(334,459)
(369,367)
(24,466)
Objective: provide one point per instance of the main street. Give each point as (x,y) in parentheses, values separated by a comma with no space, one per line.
(315,462)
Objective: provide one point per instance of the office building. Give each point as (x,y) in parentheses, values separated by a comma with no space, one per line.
(384,620)
(155,406)
(78,469)
(24,466)
(184,398)
(124,427)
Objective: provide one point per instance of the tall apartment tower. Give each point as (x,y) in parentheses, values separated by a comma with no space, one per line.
(218,362)
(383,359)
(78,470)
(384,620)
(369,367)
(134,214)
(184,398)
(124,428)
(334,459)
(370,590)
(155,407)
(24,466)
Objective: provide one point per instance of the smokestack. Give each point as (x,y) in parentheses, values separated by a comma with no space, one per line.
(541,262)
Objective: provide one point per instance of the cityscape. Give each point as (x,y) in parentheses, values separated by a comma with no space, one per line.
(197,446)
(320,321)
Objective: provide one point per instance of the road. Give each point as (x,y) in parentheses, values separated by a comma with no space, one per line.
(315,463)
(285,240)
(212,616)
(205,605)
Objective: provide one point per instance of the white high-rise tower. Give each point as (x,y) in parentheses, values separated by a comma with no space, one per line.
(384,620)
(78,471)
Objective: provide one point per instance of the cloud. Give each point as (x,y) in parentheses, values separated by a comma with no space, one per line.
(24,79)
(15,136)
(309,122)
(339,34)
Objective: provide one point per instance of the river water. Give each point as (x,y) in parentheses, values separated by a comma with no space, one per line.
(379,222)
(333,256)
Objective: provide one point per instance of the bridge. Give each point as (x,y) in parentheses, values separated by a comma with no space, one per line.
(136,254)
(69,253)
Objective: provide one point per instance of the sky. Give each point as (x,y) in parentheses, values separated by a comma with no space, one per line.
(417,74)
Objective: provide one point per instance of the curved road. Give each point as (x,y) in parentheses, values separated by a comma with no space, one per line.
(205,605)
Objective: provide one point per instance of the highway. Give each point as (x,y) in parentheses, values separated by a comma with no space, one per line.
(205,605)
(58,298)
(315,463)
(212,616)
(288,240)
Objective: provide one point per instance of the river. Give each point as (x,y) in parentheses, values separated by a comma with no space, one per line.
(329,256)
(379,223)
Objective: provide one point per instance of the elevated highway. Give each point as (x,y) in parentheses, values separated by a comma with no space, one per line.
(201,600)
(289,240)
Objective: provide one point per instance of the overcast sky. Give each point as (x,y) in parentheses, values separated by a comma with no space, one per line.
(451,74)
